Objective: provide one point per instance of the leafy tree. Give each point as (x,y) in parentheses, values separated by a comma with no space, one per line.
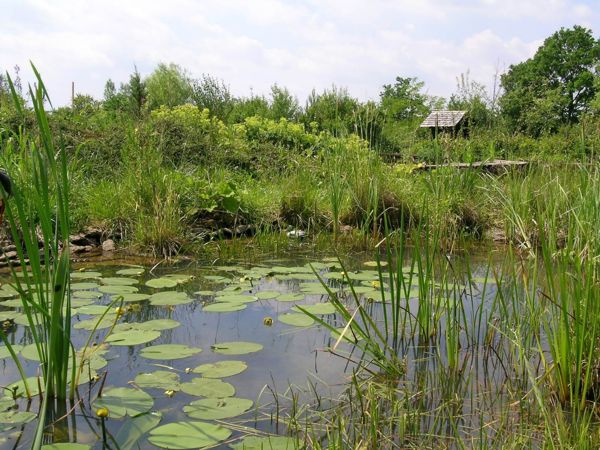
(168,85)
(255,105)
(213,94)
(333,111)
(404,100)
(472,97)
(555,86)
(283,104)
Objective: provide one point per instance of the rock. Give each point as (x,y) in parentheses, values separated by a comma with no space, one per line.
(76,249)
(8,255)
(108,246)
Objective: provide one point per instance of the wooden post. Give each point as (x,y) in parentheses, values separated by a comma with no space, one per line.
(72,94)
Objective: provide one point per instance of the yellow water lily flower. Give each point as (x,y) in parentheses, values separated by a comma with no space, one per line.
(169,393)
(268,321)
(102,412)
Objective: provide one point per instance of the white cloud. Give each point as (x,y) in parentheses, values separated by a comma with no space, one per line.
(298,44)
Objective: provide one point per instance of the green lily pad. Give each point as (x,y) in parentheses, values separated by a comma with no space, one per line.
(180,278)
(208,387)
(265,443)
(217,408)
(267,295)
(133,297)
(95,310)
(317,308)
(169,298)
(160,283)
(224,307)
(297,320)
(122,402)
(236,348)
(235,298)
(160,379)
(79,302)
(18,387)
(314,289)
(89,324)
(133,429)
(87,294)
(205,293)
(15,416)
(84,275)
(216,278)
(221,369)
(133,337)
(4,353)
(184,435)
(30,352)
(169,351)
(131,271)
(117,289)
(66,446)
(374,263)
(290,298)
(151,325)
(84,286)
(119,281)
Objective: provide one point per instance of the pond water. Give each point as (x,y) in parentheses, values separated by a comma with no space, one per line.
(239,315)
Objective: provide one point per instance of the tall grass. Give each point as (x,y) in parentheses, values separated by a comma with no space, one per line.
(38,216)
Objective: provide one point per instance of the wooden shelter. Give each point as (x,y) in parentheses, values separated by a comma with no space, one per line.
(447,121)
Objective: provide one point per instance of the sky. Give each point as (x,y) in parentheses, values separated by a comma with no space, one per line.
(302,45)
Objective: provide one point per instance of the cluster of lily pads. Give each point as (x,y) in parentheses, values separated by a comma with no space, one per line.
(230,292)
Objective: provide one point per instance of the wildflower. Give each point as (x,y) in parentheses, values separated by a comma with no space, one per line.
(102,412)
(268,321)
(169,393)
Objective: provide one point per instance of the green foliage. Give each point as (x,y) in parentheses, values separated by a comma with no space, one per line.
(331,111)
(283,104)
(212,94)
(555,86)
(169,85)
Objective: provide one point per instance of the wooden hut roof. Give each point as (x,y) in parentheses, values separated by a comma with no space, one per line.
(441,119)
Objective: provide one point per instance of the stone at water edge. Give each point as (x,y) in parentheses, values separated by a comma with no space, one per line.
(108,246)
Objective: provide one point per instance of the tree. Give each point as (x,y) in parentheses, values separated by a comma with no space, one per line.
(213,94)
(283,104)
(404,100)
(168,85)
(555,86)
(472,97)
(333,111)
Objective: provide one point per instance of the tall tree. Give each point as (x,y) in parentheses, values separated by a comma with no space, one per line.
(555,86)
(211,93)
(404,99)
(168,85)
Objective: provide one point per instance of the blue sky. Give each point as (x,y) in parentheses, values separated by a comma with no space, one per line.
(252,44)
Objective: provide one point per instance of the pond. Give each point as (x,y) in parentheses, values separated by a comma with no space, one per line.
(202,353)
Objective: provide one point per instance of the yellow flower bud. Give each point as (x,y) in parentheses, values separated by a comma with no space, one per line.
(102,412)
(268,321)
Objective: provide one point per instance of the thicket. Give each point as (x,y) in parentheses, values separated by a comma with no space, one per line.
(162,160)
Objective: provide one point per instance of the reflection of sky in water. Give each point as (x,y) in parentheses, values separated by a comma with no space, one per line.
(289,357)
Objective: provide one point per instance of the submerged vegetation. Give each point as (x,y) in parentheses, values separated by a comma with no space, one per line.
(440,349)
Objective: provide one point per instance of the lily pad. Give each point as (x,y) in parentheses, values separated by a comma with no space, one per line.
(133,337)
(84,286)
(18,387)
(375,264)
(221,369)
(66,446)
(131,271)
(317,308)
(180,278)
(205,293)
(152,325)
(133,297)
(184,435)
(265,443)
(169,298)
(134,428)
(267,295)
(208,387)
(30,352)
(89,324)
(4,353)
(119,281)
(290,298)
(122,402)
(87,294)
(84,275)
(236,348)
(224,307)
(217,408)
(95,310)
(162,282)
(15,416)
(169,351)
(216,278)
(117,289)
(160,379)
(235,298)
(297,320)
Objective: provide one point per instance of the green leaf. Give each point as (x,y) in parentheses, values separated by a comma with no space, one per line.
(133,429)
(297,320)
(4,353)
(169,298)
(14,416)
(162,282)
(84,275)
(115,289)
(133,297)
(131,271)
(188,435)
(265,443)
(84,286)
(217,408)
(122,402)
(66,446)
(208,387)
(160,379)
(169,351)
(267,295)
(224,307)
(221,369)
(133,337)
(236,348)
(290,298)
(318,308)
(119,281)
